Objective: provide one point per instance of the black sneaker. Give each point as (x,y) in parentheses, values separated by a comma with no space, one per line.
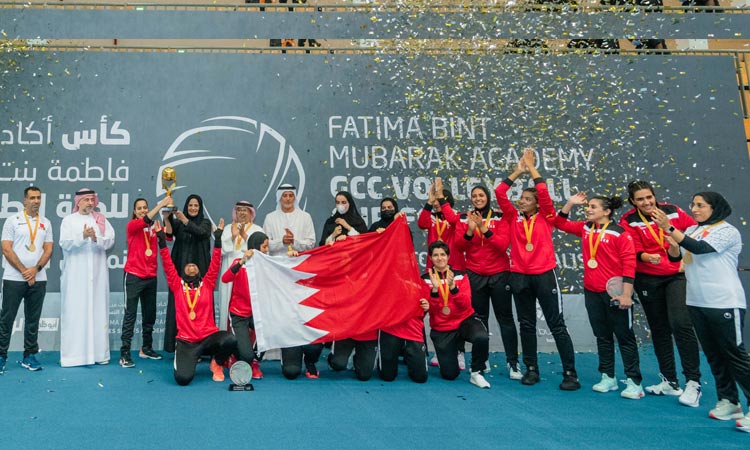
(126,361)
(570,381)
(148,353)
(531,376)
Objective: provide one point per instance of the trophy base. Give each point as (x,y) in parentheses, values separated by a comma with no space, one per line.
(241,388)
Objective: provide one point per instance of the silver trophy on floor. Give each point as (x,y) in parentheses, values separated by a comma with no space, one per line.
(241,373)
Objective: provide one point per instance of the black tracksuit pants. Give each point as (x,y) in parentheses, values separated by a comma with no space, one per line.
(720,335)
(527,290)
(365,353)
(415,357)
(33,299)
(220,345)
(293,357)
(143,289)
(495,289)
(663,301)
(472,329)
(608,322)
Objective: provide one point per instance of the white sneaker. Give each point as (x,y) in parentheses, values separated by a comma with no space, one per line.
(726,410)
(666,387)
(692,395)
(607,384)
(461,361)
(434,361)
(744,423)
(477,379)
(632,391)
(487,366)
(514,371)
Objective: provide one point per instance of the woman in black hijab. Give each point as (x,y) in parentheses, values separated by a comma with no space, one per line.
(345,220)
(191,233)
(388,211)
(715,298)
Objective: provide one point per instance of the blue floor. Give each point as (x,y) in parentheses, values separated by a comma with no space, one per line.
(112,407)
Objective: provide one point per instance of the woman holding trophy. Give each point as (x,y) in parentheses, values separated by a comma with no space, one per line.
(191,233)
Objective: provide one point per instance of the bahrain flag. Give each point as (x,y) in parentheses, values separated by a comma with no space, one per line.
(334,292)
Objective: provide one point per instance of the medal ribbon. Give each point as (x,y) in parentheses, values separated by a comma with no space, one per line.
(440,225)
(32,234)
(146,237)
(194,301)
(239,236)
(486,223)
(443,289)
(528,226)
(695,233)
(593,247)
(660,237)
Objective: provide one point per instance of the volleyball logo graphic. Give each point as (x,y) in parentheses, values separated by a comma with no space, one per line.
(229,157)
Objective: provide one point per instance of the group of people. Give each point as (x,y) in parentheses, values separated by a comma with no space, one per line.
(682,269)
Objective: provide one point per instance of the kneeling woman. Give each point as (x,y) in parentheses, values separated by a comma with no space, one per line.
(240,308)
(406,339)
(608,253)
(452,319)
(197,333)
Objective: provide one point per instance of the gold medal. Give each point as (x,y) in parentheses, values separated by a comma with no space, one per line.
(32,233)
(444,291)
(194,301)
(528,228)
(594,246)
(146,238)
(687,258)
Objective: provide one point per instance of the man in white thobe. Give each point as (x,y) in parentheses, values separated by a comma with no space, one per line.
(233,246)
(288,228)
(85,237)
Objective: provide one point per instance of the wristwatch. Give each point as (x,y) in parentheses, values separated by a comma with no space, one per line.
(671,229)
(39,268)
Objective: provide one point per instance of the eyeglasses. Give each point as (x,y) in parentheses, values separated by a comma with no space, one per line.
(699,205)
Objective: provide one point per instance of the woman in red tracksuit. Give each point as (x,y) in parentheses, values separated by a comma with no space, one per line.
(533,276)
(484,237)
(661,288)
(240,308)
(452,318)
(608,257)
(140,280)
(433,219)
(197,333)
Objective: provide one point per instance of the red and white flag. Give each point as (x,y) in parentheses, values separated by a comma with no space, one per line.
(358,285)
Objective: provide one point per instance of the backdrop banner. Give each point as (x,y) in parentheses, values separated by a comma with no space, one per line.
(235,126)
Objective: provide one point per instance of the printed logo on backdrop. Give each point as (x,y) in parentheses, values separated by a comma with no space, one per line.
(233,154)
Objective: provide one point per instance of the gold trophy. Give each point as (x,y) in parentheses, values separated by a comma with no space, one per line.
(169,175)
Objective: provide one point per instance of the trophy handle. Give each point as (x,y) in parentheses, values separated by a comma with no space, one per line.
(169,189)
